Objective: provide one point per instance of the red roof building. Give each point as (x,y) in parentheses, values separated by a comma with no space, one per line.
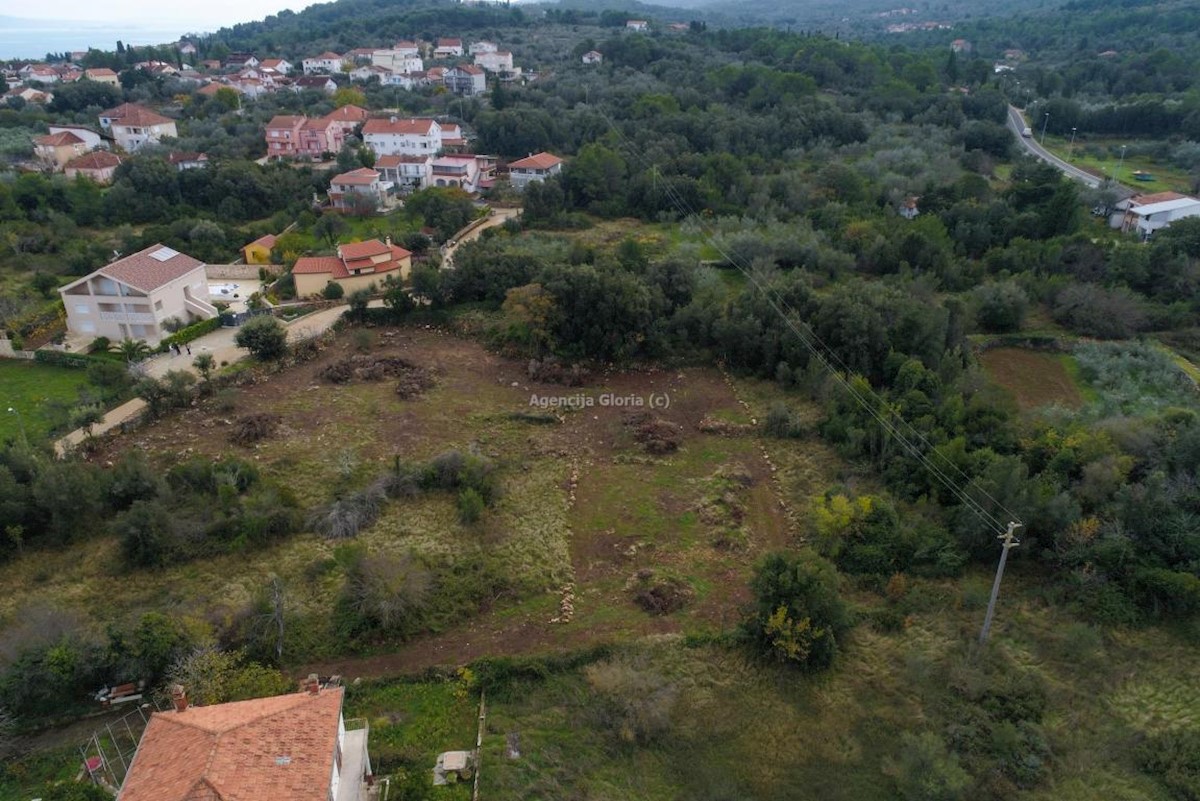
(356,266)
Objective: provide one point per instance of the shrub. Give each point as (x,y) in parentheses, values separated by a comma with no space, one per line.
(264,337)
(63,359)
(100,345)
(659,594)
(798,614)
(926,771)
(1174,759)
(782,422)
(1000,307)
(333,291)
(632,702)
(345,517)
(470,506)
(190,333)
(387,593)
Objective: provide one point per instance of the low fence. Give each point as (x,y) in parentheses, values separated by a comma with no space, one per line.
(7,351)
(234,320)
(244,272)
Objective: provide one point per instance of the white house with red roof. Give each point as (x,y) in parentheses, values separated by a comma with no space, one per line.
(448,48)
(133,297)
(279,65)
(406,173)
(400,61)
(410,136)
(90,137)
(132,126)
(637,25)
(321,83)
(407,48)
(536,167)
(483,46)
(495,61)
(460,171)
(593,57)
(360,265)
(465,79)
(325,64)
(361,191)
(293,747)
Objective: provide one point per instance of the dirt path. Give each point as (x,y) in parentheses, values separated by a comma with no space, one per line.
(499,217)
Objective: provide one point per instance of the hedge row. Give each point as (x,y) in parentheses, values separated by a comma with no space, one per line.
(61,358)
(194,331)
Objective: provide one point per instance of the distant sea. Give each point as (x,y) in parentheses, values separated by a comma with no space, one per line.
(36,38)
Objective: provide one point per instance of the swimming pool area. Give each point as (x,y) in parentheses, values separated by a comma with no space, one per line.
(227,290)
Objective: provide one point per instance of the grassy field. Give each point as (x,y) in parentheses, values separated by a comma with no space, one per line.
(1166,178)
(1036,379)
(29,388)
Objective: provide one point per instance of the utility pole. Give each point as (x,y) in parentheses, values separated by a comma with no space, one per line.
(1071,149)
(1009,542)
(1045,123)
(1120,164)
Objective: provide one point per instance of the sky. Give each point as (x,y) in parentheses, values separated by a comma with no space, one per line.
(206,15)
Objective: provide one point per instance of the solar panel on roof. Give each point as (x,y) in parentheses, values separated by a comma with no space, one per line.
(164,254)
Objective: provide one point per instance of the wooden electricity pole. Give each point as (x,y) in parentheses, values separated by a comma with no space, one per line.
(1009,542)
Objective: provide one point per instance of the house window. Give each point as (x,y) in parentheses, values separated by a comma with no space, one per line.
(81,308)
(158,305)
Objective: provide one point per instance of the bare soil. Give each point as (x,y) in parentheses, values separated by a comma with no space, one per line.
(1034,378)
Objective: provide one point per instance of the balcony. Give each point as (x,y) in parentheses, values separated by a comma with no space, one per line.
(128,317)
(356,764)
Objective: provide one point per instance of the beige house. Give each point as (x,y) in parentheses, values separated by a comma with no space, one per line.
(102,75)
(133,297)
(56,149)
(99,166)
(132,126)
(356,266)
(359,191)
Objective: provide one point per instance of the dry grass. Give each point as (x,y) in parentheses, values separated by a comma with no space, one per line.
(1035,379)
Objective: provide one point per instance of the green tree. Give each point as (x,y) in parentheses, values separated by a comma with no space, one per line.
(926,771)
(331,227)
(204,363)
(264,337)
(333,291)
(798,614)
(132,350)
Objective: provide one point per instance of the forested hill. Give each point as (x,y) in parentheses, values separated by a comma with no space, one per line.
(346,24)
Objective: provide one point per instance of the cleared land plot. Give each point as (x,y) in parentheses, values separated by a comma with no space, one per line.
(1035,378)
(30,388)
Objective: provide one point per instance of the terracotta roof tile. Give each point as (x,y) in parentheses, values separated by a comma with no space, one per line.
(363,176)
(267,749)
(145,272)
(96,160)
(539,161)
(60,139)
(133,114)
(416,126)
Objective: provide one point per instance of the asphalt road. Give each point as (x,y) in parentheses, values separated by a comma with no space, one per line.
(1016,122)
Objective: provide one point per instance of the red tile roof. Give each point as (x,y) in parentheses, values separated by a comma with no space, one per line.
(1157,197)
(267,749)
(379,125)
(361,250)
(540,161)
(288,121)
(100,72)
(96,160)
(317,264)
(449,43)
(357,255)
(183,157)
(60,139)
(326,56)
(349,113)
(133,114)
(470,69)
(391,162)
(266,240)
(145,272)
(363,176)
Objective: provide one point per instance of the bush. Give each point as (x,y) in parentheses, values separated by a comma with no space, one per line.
(63,359)
(1000,308)
(333,291)
(1173,759)
(345,517)
(798,614)
(190,333)
(659,594)
(264,337)
(100,345)
(926,770)
(385,593)
(632,702)
(470,506)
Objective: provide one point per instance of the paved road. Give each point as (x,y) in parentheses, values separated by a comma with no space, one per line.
(499,217)
(1016,123)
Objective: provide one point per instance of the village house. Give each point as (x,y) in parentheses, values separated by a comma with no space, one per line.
(496,61)
(132,126)
(279,65)
(402,136)
(184,160)
(321,83)
(448,48)
(362,191)
(56,149)
(593,57)
(408,81)
(31,95)
(324,64)
(237,61)
(92,139)
(400,61)
(452,136)
(368,72)
(356,266)
(41,74)
(98,166)
(185,48)
(1146,214)
(484,46)
(407,48)
(406,173)
(359,55)
(294,747)
(909,209)
(637,25)
(102,75)
(133,297)
(534,168)
(465,79)
(211,64)
(283,135)
(259,251)
(464,171)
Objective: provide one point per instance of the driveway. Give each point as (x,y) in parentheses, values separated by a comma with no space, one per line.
(498,217)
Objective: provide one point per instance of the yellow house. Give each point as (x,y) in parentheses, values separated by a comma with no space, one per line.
(259,251)
(356,266)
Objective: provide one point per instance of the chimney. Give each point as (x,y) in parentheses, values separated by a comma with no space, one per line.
(387,240)
(311,685)
(179,697)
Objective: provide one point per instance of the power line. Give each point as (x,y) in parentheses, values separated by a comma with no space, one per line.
(828,358)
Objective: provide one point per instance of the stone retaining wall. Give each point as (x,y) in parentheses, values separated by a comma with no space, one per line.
(244,272)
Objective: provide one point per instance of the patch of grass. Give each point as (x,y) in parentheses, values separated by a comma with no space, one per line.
(31,388)
(1036,379)
(1166,177)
